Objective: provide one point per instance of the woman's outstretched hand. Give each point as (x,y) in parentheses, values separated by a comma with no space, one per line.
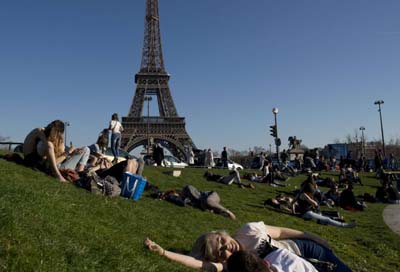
(153,246)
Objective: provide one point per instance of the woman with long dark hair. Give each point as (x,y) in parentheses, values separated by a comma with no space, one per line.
(44,148)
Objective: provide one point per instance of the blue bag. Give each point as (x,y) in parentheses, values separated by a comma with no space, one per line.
(132,186)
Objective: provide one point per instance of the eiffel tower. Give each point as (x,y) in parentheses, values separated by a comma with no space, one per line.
(167,129)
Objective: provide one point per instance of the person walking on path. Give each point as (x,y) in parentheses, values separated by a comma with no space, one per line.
(116,129)
(224,158)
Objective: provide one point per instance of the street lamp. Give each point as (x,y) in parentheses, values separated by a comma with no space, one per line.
(379,103)
(148,99)
(66,124)
(275,133)
(362,140)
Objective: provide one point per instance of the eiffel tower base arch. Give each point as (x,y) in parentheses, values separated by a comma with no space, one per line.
(169,132)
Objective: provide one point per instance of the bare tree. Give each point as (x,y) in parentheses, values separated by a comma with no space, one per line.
(336,141)
(351,139)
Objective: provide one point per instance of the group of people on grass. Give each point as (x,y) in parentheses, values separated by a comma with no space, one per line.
(44,149)
(255,247)
(259,247)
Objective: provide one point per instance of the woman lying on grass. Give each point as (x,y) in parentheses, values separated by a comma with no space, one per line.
(211,250)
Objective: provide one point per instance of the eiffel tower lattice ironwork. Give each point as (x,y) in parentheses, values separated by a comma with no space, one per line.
(168,128)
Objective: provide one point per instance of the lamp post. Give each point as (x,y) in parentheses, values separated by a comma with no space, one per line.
(148,99)
(362,140)
(66,124)
(379,103)
(277,140)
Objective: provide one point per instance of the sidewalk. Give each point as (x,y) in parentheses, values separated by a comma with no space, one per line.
(391,216)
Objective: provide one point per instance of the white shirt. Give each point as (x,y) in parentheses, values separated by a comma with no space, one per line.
(252,236)
(285,261)
(116,126)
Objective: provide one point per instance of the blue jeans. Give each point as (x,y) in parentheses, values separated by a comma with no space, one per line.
(224,163)
(76,159)
(115,143)
(323,219)
(311,249)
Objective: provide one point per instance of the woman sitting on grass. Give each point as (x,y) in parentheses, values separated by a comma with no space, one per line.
(211,250)
(44,150)
(308,208)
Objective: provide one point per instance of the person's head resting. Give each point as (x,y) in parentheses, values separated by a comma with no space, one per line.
(54,133)
(215,246)
(114,117)
(244,261)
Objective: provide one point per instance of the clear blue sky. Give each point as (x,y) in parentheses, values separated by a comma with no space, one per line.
(322,63)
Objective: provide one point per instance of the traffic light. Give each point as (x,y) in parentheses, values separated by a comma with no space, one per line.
(273,131)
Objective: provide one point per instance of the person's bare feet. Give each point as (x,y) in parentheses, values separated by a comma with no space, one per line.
(352,224)
(230,215)
(62,179)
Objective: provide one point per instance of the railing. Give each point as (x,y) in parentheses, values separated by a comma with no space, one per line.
(10,144)
(154,120)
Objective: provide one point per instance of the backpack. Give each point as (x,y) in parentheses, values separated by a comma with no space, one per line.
(107,186)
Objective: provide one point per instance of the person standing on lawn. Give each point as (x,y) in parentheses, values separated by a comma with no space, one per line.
(224,158)
(116,129)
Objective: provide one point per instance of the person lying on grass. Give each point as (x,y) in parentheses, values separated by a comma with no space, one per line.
(279,260)
(211,250)
(233,177)
(281,202)
(209,201)
(44,149)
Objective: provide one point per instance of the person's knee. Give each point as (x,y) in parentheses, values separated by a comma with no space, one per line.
(49,146)
(85,155)
(86,151)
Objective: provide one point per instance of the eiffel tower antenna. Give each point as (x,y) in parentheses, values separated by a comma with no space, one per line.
(167,129)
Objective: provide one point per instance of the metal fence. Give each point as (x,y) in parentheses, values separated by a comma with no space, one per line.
(8,145)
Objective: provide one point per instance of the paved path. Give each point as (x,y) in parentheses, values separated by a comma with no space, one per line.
(391,216)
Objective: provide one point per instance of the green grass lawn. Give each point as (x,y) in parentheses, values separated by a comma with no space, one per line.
(48,226)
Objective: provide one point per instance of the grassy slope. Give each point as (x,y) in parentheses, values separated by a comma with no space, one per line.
(48,226)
